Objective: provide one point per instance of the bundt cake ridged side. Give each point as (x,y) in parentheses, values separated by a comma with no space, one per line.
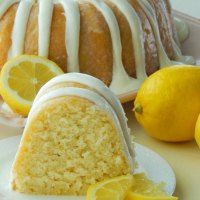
(119,42)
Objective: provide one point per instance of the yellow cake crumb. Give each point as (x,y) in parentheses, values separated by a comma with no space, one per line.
(69,144)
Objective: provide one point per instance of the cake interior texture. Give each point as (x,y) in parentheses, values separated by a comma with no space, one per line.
(69,144)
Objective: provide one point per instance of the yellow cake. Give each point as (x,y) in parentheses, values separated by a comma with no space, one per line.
(76,135)
(117,41)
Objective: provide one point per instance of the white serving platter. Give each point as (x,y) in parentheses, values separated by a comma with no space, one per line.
(148,162)
(147,159)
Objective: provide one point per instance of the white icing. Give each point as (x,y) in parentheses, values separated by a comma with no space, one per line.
(178,54)
(72,33)
(136,29)
(102,90)
(174,30)
(182,29)
(19,29)
(10,120)
(44,24)
(163,58)
(120,79)
(93,97)
(5,5)
(179,57)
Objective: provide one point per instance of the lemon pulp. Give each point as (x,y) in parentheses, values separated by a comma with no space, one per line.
(145,189)
(22,77)
(111,189)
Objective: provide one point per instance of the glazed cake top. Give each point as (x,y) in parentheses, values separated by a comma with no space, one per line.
(121,81)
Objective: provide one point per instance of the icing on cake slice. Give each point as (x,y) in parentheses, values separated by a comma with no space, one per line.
(76,135)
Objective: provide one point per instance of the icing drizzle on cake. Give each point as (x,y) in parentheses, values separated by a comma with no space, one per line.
(44,22)
(121,81)
(19,29)
(72,33)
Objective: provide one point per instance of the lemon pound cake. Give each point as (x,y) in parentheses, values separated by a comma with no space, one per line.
(76,135)
(117,41)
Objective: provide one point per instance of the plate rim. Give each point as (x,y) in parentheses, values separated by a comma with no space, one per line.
(15,142)
(170,168)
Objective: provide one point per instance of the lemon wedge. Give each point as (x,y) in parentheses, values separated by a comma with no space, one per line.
(135,196)
(144,189)
(111,189)
(22,77)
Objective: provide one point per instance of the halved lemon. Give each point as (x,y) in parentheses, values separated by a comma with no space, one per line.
(145,189)
(22,77)
(111,189)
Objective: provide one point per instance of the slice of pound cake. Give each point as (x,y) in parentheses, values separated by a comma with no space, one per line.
(76,135)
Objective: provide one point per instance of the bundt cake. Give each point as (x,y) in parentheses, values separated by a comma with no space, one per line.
(76,134)
(117,41)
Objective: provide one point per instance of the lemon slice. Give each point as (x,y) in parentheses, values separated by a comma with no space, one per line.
(135,196)
(145,189)
(111,189)
(22,77)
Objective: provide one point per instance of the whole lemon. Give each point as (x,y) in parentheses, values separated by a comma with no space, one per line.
(168,103)
(197,131)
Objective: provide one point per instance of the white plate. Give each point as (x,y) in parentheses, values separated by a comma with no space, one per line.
(155,167)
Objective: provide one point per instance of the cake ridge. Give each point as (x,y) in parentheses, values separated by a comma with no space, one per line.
(102,90)
(44,23)
(19,29)
(120,78)
(136,29)
(163,57)
(4,6)
(72,33)
(120,81)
